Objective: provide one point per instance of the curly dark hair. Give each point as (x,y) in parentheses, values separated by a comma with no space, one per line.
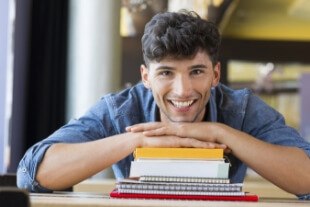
(179,35)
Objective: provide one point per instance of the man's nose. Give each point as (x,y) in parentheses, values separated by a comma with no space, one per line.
(183,86)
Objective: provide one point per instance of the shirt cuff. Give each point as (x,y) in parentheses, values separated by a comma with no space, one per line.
(304,197)
(27,169)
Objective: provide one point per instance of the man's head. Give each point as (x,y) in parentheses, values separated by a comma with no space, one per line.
(179,35)
(181,55)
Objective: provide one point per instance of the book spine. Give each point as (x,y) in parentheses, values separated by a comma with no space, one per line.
(181,153)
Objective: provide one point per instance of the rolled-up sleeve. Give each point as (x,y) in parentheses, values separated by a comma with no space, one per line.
(28,166)
(89,127)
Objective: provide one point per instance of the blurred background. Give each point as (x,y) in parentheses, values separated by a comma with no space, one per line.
(58,57)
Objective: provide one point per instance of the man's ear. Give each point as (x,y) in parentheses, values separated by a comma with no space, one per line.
(217,74)
(144,76)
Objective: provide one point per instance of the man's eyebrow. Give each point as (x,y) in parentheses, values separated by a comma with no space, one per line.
(198,66)
(164,67)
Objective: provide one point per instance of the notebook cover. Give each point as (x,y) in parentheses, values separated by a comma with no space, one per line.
(247,197)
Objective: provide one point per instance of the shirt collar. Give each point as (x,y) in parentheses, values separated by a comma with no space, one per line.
(211,107)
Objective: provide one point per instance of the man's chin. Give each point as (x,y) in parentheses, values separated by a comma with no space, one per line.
(181,120)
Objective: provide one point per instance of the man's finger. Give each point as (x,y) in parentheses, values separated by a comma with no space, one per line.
(144,127)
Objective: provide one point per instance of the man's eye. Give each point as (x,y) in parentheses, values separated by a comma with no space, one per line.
(196,72)
(165,73)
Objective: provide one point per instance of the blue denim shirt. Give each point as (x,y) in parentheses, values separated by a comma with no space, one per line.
(239,109)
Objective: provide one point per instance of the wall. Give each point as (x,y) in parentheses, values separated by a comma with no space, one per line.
(4,72)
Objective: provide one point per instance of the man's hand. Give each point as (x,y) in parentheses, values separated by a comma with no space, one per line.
(178,134)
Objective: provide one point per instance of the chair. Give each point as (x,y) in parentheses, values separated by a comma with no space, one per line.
(14,197)
(8,180)
(10,195)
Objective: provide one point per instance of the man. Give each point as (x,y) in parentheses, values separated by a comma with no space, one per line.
(180,103)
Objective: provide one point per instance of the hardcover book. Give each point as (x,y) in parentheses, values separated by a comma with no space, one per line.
(178,153)
(179,168)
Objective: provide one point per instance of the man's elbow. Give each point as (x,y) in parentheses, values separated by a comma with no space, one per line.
(24,181)
(302,189)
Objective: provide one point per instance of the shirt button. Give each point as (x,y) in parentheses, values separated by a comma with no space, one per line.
(24,170)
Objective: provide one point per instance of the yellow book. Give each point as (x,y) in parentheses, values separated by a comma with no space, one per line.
(178,153)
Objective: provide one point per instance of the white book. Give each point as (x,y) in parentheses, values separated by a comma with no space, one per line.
(179,168)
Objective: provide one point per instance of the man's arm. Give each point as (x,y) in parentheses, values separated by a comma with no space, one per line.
(286,167)
(65,164)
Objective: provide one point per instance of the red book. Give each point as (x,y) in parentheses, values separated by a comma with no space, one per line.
(246,197)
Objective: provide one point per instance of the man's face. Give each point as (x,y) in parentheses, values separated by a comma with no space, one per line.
(181,88)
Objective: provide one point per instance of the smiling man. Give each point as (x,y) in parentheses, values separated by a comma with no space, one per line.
(181,88)
(180,103)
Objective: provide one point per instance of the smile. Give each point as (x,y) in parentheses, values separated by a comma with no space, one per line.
(182,104)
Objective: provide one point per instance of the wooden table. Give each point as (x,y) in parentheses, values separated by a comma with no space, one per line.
(97,200)
(254,184)
(95,193)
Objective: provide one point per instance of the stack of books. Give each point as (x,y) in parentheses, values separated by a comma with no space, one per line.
(180,173)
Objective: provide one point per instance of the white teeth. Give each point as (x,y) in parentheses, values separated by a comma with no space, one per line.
(181,104)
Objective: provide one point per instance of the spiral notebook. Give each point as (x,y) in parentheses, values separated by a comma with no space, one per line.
(136,186)
(169,179)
